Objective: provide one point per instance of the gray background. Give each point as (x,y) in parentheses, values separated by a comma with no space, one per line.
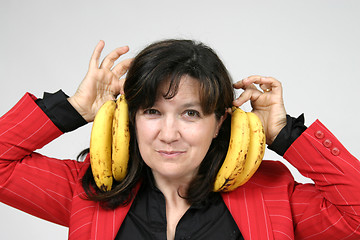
(312,47)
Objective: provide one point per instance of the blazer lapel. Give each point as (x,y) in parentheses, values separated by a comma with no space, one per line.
(248,209)
(106,223)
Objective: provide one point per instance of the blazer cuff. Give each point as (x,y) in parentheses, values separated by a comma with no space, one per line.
(60,111)
(293,129)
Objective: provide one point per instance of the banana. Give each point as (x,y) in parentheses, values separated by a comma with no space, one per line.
(121,139)
(237,151)
(255,153)
(100,146)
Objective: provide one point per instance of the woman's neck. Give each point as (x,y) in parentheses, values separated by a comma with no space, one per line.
(172,188)
(176,205)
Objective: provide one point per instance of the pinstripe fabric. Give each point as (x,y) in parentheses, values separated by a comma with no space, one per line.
(270,206)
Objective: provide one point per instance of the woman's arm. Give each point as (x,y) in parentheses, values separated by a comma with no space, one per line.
(31,182)
(331,210)
(40,185)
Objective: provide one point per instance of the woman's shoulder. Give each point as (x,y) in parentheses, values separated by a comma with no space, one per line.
(271,174)
(272,181)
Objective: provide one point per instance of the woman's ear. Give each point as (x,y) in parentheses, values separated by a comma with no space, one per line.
(219,123)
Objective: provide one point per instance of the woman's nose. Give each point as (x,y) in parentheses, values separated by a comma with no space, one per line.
(169,131)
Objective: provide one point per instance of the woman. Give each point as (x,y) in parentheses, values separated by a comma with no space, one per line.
(178,94)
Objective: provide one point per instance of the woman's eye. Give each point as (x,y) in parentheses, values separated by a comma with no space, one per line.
(151,111)
(192,113)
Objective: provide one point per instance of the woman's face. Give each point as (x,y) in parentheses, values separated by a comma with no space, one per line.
(174,135)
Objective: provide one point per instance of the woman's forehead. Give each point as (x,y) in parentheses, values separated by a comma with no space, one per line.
(187,86)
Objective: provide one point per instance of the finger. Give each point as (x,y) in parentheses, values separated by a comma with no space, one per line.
(257,79)
(122,67)
(117,87)
(270,84)
(94,60)
(109,60)
(121,85)
(251,93)
(254,79)
(239,84)
(267,84)
(265,87)
(244,83)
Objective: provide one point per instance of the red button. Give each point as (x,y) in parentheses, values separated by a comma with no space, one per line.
(327,143)
(319,134)
(335,151)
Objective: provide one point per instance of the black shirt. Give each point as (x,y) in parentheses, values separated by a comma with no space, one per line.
(146,218)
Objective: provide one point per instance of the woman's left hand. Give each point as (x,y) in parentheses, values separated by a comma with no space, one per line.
(266,101)
(102,82)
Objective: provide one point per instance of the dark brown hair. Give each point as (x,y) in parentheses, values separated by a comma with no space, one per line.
(170,60)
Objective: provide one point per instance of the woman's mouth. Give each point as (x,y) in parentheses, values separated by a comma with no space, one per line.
(170,154)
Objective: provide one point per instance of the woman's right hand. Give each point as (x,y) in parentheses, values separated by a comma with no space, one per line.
(267,102)
(101,83)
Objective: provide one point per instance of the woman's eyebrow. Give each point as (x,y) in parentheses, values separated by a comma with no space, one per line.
(191,104)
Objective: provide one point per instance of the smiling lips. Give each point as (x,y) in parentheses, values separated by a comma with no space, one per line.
(170,153)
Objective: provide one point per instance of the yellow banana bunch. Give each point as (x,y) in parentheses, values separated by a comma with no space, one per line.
(255,153)
(121,139)
(245,152)
(100,146)
(109,143)
(237,151)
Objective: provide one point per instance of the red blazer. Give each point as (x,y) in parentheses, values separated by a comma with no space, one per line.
(270,206)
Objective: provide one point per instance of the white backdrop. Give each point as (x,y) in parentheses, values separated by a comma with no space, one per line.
(312,47)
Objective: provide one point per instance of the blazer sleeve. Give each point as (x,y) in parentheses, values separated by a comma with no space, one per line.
(29,181)
(328,209)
